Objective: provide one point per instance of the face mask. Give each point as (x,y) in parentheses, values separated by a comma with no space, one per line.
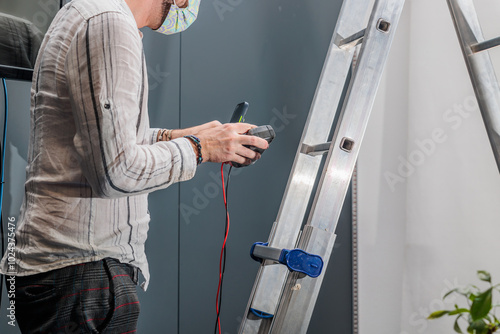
(179,19)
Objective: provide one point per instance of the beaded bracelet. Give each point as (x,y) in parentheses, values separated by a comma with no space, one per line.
(196,141)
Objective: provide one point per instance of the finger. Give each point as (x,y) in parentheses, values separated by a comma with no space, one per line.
(247,153)
(241,164)
(241,160)
(242,127)
(254,141)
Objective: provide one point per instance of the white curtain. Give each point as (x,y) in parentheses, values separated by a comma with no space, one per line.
(429,187)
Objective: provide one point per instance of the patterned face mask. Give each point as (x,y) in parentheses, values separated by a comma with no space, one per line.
(179,19)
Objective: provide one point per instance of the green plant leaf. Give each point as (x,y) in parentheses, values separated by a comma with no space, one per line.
(478,327)
(471,291)
(437,314)
(458,311)
(481,305)
(449,293)
(456,327)
(484,276)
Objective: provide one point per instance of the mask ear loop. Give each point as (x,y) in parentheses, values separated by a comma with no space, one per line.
(175,4)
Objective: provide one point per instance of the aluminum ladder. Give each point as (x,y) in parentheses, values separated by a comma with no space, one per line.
(481,71)
(284,294)
(282,301)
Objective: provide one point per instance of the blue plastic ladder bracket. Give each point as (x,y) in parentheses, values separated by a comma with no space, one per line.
(296,260)
(260,314)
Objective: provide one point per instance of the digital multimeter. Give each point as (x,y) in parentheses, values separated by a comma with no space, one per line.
(239,113)
(264,131)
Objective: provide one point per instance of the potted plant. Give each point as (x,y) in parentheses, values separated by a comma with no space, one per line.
(479,314)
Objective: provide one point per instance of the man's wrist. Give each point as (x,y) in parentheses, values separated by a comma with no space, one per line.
(196,144)
(176,133)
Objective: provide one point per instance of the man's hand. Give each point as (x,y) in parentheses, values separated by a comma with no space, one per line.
(224,143)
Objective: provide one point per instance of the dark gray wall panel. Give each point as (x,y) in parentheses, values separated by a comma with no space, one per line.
(269,54)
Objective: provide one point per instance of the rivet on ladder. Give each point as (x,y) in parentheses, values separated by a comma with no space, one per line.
(383,25)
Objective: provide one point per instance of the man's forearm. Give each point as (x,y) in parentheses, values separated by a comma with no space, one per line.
(169,134)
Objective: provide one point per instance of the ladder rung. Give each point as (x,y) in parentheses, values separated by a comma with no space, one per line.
(351,41)
(346,145)
(262,251)
(315,149)
(478,47)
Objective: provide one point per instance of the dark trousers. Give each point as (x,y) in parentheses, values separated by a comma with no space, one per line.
(93,297)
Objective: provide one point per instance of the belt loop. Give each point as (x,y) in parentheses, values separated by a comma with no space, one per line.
(135,275)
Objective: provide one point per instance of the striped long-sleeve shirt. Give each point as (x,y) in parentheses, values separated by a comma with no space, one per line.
(92,156)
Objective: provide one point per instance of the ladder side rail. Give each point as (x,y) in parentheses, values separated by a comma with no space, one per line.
(299,297)
(480,68)
(301,181)
(270,278)
(318,125)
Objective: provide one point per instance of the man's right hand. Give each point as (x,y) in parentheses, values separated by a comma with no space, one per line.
(225,142)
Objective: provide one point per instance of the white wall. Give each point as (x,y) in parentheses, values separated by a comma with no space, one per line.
(428,225)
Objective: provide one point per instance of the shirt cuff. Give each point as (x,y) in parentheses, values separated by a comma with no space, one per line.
(188,157)
(153,135)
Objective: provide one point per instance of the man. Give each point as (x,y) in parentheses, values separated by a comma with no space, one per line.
(92,161)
